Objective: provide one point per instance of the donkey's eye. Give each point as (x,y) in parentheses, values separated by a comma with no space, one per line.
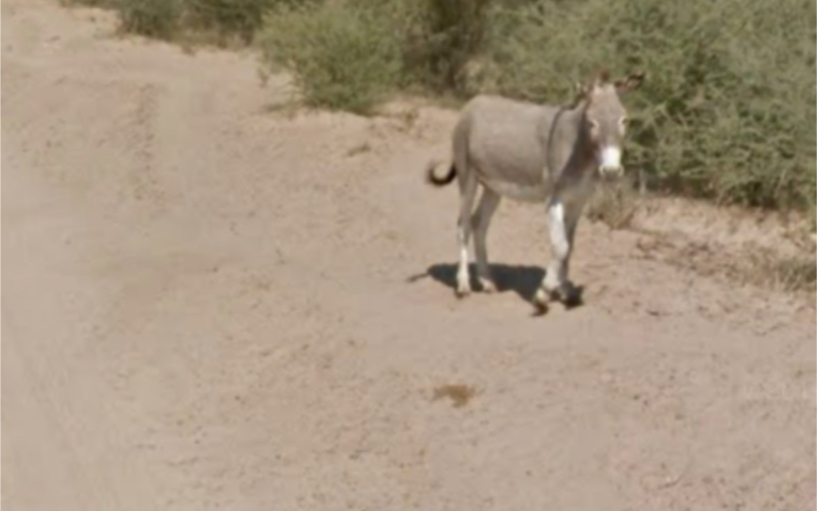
(594,125)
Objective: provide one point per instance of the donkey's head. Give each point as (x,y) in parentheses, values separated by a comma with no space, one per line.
(605,119)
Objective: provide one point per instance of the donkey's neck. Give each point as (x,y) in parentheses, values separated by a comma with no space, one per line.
(569,147)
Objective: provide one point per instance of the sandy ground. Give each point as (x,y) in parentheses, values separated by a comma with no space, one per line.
(209,305)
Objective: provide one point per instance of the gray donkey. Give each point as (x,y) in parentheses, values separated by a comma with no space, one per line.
(535,153)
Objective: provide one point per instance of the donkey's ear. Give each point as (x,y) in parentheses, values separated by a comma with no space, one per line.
(579,92)
(579,89)
(632,82)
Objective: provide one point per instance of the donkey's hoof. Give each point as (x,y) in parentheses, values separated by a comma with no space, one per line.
(573,300)
(487,284)
(544,295)
(540,302)
(463,290)
(572,296)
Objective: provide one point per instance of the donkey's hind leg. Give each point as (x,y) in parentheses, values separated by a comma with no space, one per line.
(468,191)
(480,222)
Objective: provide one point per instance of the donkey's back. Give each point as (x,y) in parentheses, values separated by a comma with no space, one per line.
(504,142)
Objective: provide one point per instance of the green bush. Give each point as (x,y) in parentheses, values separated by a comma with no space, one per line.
(228,18)
(341,56)
(224,19)
(105,4)
(727,111)
(152,18)
(728,108)
(444,36)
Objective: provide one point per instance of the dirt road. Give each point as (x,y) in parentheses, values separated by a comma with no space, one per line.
(208,305)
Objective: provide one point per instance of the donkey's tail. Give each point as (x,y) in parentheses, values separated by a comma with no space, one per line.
(440,181)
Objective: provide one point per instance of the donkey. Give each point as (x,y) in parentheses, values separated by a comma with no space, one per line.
(538,154)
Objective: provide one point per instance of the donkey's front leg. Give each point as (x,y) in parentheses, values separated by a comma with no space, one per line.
(562,222)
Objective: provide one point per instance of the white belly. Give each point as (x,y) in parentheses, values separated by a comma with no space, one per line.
(520,193)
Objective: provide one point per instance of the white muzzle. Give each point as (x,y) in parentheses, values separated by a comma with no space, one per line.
(610,162)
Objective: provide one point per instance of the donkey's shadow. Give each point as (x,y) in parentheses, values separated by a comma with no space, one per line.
(523,280)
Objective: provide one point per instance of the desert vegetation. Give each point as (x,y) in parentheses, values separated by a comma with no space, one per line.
(727,112)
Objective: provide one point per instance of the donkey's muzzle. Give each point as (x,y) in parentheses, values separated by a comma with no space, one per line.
(610,162)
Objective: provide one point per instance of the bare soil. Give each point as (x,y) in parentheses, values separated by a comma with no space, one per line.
(210,304)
